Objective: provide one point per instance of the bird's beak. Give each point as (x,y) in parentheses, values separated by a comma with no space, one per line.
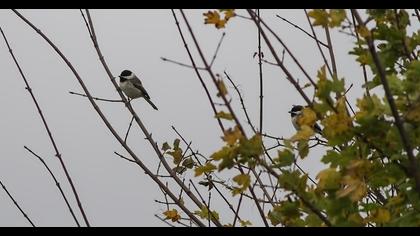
(289,111)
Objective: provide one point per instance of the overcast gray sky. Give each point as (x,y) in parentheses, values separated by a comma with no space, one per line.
(113,191)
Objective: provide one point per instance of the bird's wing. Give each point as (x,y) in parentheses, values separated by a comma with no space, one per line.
(137,83)
(318,129)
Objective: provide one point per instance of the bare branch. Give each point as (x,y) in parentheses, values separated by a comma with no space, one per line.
(95,98)
(181,64)
(196,71)
(217,49)
(57,152)
(318,44)
(260,72)
(304,31)
(128,130)
(56,183)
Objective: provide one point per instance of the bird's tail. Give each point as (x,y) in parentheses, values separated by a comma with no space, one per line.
(151,103)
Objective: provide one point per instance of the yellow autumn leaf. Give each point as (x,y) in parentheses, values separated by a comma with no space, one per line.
(308,117)
(320,17)
(337,123)
(243,180)
(414,113)
(363,31)
(380,216)
(224,115)
(207,168)
(304,133)
(222,88)
(172,215)
(328,179)
(354,188)
(229,13)
(232,135)
(213,17)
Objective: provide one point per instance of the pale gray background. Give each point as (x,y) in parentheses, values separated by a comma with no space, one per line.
(113,191)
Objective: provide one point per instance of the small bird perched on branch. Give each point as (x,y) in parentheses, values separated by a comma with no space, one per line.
(132,87)
(295,112)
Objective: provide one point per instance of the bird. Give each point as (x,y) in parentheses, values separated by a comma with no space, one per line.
(131,85)
(295,112)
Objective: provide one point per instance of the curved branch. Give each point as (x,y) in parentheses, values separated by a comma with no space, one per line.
(57,152)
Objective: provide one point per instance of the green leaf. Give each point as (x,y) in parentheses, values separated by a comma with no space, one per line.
(204,213)
(284,158)
(188,163)
(337,17)
(245,223)
(243,180)
(176,143)
(179,169)
(251,147)
(207,168)
(165,146)
(328,179)
(303,148)
(224,115)
(177,155)
(320,17)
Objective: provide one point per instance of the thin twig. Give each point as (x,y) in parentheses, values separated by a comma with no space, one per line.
(164,221)
(260,73)
(197,72)
(289,76)
(95,98)
(360,47)
(318,44)
(57,152)
(17,205)
(56,183)
(242,102)
(304,31)
(128,130)
(180,63)
(217,49)
(285,48)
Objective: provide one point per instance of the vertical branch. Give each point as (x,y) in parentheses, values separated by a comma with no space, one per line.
(331,50)
(227,104)
(57,152)
(317,43)
(289,76)
(56,183)
(261,73)
(16,204)
(360,46)
(404,137)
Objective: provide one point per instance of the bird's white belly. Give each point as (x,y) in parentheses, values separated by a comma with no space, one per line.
(131,91)
(294,122)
